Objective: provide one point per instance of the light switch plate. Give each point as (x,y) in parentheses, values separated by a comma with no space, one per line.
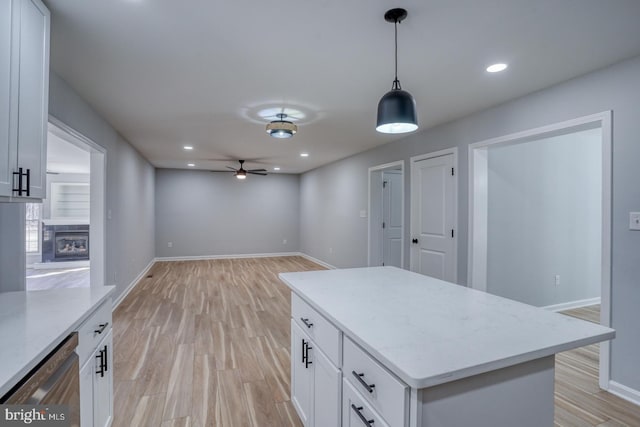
(634,220)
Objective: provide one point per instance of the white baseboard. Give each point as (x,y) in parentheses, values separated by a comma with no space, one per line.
(203,257)
(133,284)
(572,304)
(627,393)
(59,265)
(317,261)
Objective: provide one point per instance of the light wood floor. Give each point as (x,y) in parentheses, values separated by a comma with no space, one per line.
(206,343)
(578,399)
(75,277)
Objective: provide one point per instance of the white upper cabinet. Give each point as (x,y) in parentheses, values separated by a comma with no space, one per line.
(24,98)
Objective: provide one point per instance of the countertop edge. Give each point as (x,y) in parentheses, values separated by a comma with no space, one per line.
(27,367)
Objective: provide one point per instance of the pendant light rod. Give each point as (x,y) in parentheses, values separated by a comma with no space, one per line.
(396,16)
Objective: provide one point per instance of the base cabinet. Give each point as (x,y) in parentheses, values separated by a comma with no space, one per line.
(96,372)
(315,382)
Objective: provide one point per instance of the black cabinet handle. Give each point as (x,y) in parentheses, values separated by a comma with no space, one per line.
(306,322)
(362,382)
(357,410)
(106,359)
(304,350)
(101,366)
(19,188)
(101,328)
(308,362)
(414,241)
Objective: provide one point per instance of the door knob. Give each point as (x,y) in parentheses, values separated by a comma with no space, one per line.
(414,241)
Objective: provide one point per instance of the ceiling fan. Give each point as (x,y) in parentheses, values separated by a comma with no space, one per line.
(242,173)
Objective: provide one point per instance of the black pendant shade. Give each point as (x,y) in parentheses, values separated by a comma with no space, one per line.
(397,108)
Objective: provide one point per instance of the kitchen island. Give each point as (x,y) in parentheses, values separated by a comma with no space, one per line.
(383,346)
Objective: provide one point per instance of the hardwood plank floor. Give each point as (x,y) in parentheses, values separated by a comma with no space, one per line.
(579,400)
(206,343)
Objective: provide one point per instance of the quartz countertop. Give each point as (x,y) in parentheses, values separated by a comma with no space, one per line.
(32,323)
(428,331)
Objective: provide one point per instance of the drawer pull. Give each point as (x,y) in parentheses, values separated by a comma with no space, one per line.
(307,362)
(362,382)
(102,327)
(357,410)
(306,322)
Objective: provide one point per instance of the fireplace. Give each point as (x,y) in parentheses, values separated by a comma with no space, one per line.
(65,243)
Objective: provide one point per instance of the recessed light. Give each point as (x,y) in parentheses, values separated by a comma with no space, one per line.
(304,154)
(188,147)
(496,68)
(276,168)
(190,165)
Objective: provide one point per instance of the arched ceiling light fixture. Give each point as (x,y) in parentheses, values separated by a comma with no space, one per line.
(397,108)
(281,128)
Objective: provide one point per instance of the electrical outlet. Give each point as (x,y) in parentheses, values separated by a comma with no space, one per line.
(557,280)
(284,241)
(363,214)
(169,244)
(634,220)
(330,250)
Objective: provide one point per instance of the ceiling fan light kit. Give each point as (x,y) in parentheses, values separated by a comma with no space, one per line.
(397,108)
(282,128)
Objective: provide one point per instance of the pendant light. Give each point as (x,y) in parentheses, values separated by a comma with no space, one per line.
(281,128)
(397,108)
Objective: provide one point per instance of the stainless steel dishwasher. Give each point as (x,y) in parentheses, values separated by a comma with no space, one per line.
(54,381)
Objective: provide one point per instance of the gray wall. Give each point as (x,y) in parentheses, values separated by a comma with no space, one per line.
(211,213)
(130,243)
(545,219)
(12,247)
(333,195)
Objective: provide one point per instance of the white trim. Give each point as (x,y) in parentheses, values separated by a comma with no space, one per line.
(133,284)
(382,168)
(412,161)
(60,265)
(572,304)
(626,393)
(317,261)
(231,256)
(477,239)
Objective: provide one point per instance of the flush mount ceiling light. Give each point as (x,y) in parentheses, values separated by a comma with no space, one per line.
(496,68)
(281,128)
(187,147)
(397,108)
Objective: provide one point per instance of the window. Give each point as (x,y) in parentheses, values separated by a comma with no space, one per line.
(69,200)
(33,227)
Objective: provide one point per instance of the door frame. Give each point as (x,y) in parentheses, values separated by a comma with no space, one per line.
(478,207)
(380,168)
(97,201)
(414,225)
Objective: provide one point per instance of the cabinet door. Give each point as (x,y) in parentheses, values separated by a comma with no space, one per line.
(7,160)
(301,375)
(33,93)
(103,383)
(326,391)
(86,393)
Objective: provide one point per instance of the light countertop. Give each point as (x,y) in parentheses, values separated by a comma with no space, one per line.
(32,324)
(428,331)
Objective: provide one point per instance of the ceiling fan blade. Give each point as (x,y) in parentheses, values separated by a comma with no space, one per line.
(257,173)
(257,170)
(233,169)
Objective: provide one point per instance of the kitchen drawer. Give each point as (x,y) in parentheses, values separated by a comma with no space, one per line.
(325,335)
(93,329)
(387,394)
(356,411)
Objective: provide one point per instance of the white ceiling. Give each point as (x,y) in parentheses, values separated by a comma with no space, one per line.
(166,73)
(64,157)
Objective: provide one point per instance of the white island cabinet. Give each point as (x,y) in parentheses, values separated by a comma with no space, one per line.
(408,350)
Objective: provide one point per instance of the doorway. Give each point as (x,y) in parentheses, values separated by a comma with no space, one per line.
(65,233)
(386,215)
(434,215)
(540,217)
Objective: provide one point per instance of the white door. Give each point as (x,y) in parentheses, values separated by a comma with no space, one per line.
(392,218)
(433,216)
